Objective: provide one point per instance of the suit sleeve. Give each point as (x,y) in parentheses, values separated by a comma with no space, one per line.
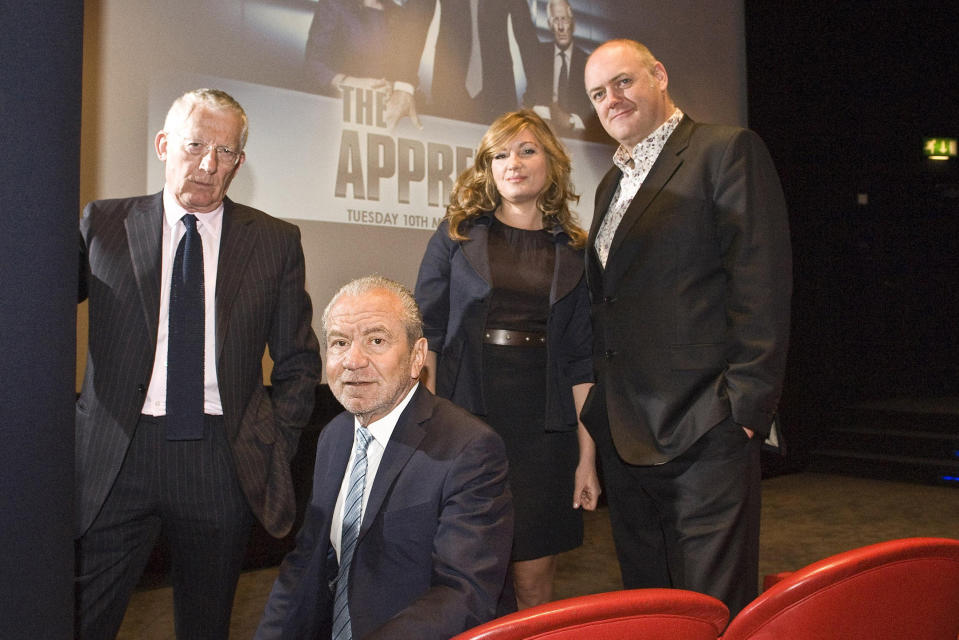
(290,585)
(323,46)
(471,548)
(410,24)
(525,33)
(752,224)
(578,338)
(293,347)
(285,609)
(432,291)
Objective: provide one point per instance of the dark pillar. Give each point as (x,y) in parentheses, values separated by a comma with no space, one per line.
(40,72)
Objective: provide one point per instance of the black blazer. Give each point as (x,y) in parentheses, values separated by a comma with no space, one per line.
(434,545)
(449,97)
(691,314)
(453,291)
(260,302)
(540,85)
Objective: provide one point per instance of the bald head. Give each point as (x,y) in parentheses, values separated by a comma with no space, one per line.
(629,90)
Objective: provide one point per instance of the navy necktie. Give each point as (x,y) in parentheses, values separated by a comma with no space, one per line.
(352,517)
(184,385)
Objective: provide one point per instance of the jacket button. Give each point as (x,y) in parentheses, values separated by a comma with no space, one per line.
(608,299)
(141,388)
(608,354)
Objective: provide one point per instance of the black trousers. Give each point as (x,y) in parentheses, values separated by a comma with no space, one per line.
(693,522)
(188,492)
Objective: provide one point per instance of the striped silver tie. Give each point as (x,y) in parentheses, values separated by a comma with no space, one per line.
(352,517)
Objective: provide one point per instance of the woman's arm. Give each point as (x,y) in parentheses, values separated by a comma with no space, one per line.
(586,487)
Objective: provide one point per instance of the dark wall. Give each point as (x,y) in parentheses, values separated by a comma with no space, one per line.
(40,65)
(844,93)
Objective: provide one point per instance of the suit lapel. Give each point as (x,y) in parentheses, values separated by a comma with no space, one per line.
(404,442)
(669,160)
(665,167)
(568,268)
(337,457)
(566,273)
(332,455)
(236,243)
(476,249)
(604,196)
(144,227)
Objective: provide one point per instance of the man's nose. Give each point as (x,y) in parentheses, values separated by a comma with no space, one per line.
(208,161)
(355,357)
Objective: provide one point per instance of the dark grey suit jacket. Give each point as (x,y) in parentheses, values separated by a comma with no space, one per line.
(435,541)
(691,314)
(449,97)
(540,85)
(260,301)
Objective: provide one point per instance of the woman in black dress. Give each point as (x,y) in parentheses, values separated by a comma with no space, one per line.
(506,313)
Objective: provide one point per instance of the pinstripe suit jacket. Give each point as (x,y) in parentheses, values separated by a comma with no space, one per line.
(260,302)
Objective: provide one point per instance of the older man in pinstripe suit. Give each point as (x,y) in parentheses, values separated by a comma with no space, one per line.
(141,471)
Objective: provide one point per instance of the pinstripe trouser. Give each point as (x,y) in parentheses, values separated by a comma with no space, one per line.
(188,492)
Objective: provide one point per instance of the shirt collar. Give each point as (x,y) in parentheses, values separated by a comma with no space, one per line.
(650,147)
(382,429)
(172,212)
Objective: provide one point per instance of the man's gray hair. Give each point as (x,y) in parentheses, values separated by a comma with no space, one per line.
(549,7)
(183,106)
(411,318)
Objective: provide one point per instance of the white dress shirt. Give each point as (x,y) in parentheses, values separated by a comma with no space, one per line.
(381,430)
(210,226)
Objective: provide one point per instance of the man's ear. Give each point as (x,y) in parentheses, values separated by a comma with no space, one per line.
(160,144)
(418,357)
(660,75)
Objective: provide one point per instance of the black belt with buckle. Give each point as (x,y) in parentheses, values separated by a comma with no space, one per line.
(510,338)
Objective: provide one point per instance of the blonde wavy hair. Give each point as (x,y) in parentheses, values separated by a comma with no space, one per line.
(475,189)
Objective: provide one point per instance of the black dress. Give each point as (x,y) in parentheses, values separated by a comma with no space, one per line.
(541,463)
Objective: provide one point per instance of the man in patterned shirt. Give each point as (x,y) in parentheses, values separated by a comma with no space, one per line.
(689,270)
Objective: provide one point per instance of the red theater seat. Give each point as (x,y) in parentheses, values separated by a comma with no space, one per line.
(646,614)
(898,589)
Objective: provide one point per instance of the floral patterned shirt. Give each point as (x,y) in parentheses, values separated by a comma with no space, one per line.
(635,168)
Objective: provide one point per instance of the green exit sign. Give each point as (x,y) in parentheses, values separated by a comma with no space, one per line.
(940,147)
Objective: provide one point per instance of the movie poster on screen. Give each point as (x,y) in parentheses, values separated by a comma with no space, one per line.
(366,112)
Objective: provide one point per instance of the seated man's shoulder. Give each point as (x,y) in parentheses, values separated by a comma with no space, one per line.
(452,421)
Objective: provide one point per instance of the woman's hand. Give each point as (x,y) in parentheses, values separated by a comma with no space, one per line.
(586,486)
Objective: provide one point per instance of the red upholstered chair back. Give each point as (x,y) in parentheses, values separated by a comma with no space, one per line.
(898,589)
(646,614)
